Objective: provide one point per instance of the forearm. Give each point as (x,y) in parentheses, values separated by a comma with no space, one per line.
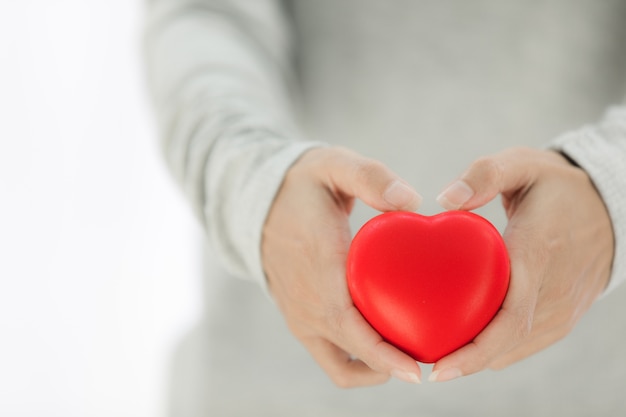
(218,74)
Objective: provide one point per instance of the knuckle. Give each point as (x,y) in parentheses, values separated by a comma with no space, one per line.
(341,150)
(335,156)
(519,323)
(336,320)
(488,169)
(498,365)
(523,322)
(523,151)
(523,329)
(374,354)
(481,357)
(484,356)
(365,170)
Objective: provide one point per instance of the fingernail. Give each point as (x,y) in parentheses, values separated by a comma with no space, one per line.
(457,194)
(409,377)
(445,375)
(401,195)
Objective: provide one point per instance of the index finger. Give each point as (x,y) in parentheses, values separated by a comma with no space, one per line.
(343,370)
(354,334)
(511,325)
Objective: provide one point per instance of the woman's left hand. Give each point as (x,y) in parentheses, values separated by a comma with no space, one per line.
(560,243)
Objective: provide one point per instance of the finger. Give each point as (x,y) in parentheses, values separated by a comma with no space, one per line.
(342,369)
(370,181)
(530,347)
(508,329)
(505,172)
(355,335)
(549,327)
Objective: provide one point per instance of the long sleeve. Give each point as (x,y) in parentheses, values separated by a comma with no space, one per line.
(600,150)
(219,75)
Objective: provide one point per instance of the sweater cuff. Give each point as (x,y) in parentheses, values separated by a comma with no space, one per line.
(601,151)
(235,222)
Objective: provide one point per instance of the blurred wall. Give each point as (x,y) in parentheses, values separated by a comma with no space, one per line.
(99,254)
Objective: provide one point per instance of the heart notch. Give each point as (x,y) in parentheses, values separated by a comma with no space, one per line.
(428,284)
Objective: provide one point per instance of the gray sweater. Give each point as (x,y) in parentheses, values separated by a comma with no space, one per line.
(243,87)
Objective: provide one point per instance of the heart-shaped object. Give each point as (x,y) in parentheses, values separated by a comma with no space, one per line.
(428,284)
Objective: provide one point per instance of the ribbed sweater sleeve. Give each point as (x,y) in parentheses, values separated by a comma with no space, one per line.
(600,150)
(218,73)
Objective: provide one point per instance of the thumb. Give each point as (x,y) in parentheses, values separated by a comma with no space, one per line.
(372,182)
(506,172)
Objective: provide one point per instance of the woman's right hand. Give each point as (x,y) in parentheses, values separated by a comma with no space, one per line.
(306,238)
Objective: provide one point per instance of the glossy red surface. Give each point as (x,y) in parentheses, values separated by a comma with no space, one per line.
(428,285)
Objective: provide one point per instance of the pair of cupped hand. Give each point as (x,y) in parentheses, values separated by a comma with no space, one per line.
(559,238)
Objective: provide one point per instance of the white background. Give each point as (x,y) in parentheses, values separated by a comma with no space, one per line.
(99,253)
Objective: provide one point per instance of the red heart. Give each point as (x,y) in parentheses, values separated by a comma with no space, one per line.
(428,285)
